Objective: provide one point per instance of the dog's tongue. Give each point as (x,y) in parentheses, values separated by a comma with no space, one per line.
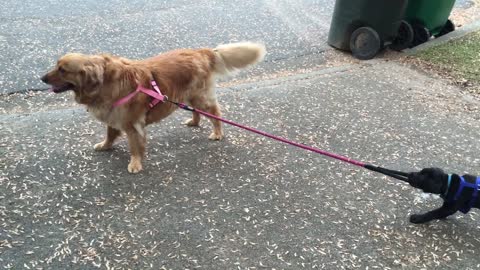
(53,89)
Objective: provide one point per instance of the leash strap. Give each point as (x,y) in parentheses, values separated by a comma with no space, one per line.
(395,174)
(392,173)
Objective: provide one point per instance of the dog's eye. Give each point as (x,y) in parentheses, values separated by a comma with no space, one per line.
(61,70)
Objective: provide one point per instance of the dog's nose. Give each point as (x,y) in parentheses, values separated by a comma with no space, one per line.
(44,78)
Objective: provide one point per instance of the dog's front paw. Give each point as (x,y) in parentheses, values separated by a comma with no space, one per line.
(103,146)
(417,219)
(216,136)
(134,166)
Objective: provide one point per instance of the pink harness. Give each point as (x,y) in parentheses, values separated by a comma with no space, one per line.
(156,95)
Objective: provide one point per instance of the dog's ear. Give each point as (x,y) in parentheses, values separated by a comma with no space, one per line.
(94,71)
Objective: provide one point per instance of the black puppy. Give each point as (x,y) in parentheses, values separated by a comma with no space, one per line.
(457,192)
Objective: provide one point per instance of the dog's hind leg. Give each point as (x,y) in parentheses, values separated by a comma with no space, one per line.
(442,212)
(211,107)
(207,103)
(112,135)
(195,121)
(217,133)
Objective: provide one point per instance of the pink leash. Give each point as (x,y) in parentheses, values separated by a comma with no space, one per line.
(303,146)
(158,97)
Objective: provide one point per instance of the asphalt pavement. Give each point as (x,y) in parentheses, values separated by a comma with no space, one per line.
(247,202)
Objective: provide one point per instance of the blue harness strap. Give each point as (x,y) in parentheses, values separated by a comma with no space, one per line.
(444,195)
(475,186)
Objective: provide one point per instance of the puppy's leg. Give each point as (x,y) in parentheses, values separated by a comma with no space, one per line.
(195,121)
(107,144)
(136,141)
(442,212)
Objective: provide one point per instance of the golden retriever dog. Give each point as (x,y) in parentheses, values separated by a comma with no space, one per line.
(185,75)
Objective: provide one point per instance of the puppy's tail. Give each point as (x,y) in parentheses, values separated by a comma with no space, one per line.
(235,56)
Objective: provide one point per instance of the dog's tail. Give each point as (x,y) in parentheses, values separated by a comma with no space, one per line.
(235,56)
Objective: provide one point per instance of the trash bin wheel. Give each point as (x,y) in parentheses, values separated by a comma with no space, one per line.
(365,43)
(404,37)
(447,28)
(421,34)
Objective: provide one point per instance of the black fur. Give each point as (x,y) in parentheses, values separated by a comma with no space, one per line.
(434,180)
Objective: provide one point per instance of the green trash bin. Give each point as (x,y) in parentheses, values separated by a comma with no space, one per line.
(364,27)
(429,18)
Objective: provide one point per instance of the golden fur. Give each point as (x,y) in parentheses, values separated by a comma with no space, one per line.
(184,75)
